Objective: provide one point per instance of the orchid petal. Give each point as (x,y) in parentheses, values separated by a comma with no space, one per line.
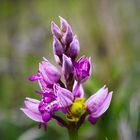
(103,107)
(32,105)
(78,90)
(32,115)
(64,96)
(97,99)
(92,119)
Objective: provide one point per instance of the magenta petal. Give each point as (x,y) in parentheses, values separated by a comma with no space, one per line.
(92,119)
(78,90)
(42,69)
(67,66)
(49,72)
(82,69)
(32,115)
(33,77)
(52,107)
(46,116)
(64,96)
(38,91)
(47,99)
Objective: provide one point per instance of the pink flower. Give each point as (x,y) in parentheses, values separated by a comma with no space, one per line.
(82,69)
(98,103)
(48,72)
(64,96)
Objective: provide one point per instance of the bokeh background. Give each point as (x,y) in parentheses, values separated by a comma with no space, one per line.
(108,31)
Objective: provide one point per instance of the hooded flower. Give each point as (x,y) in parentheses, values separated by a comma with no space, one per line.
(64,96)
(98,103)
(82,69)
(47,72)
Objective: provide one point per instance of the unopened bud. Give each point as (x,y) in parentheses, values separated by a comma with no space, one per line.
(57,47)
(55,30)
(74,48)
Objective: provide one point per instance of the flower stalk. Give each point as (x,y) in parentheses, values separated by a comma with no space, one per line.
(72,131)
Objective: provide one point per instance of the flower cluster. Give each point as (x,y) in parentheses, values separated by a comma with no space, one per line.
(61,89)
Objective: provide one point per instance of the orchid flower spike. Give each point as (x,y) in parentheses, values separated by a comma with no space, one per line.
(62,90)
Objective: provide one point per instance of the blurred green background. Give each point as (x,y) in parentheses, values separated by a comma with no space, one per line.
(108,31)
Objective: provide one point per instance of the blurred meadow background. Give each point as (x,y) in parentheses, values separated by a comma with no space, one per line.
(108,31)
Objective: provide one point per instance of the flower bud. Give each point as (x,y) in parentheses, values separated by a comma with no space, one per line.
(49,72)
(67,67)
(64,24)
(68,36)
(55,30)
(57,47)
(82,69)
(74,48)
(32,104)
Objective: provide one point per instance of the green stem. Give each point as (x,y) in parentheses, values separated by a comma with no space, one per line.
(73,131)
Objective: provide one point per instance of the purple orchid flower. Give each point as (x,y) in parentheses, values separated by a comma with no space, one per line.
(48,72)
(74,48)
(67,67)
(67,96)
(82,69)
(98,103)
(57,47)
(64,96)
